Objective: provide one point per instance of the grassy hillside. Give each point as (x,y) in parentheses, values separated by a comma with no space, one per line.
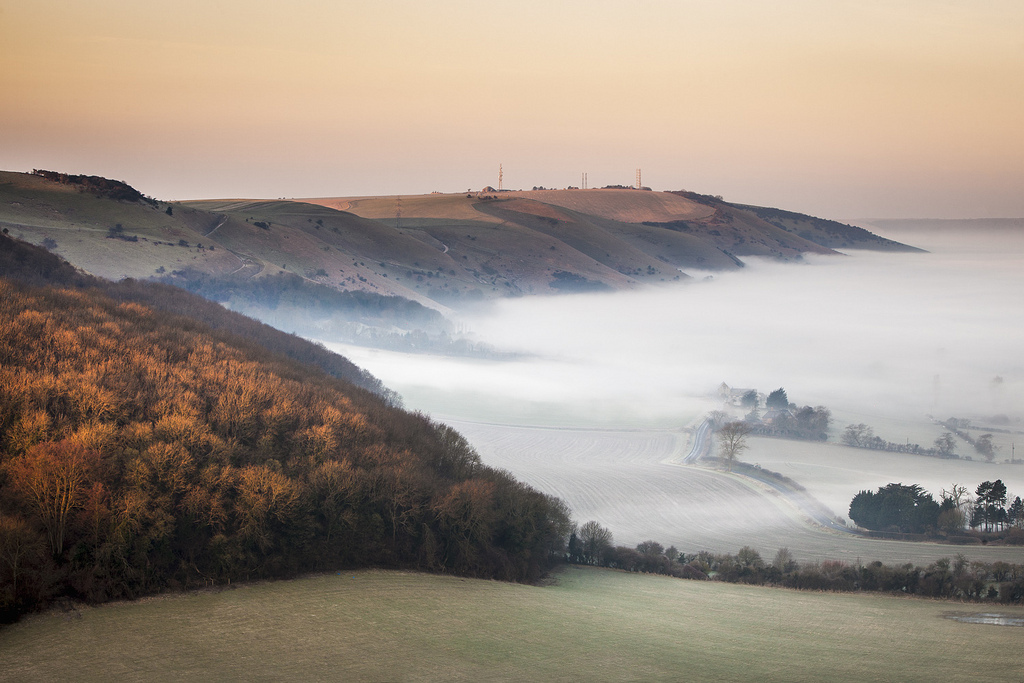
(78,225)
(596,625)
(441,250)
(832,234)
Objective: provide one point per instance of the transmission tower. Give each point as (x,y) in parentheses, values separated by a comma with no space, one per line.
(639,185)
(500,174)
(398,211)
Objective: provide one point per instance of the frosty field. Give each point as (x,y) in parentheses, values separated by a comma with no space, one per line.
(597,406)
(834,473)
(631,482)
(591,624)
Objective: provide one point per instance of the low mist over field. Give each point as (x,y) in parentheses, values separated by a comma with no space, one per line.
(876,334)
(883,339)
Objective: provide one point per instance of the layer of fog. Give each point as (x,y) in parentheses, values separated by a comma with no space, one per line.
(870,334)
(885,339)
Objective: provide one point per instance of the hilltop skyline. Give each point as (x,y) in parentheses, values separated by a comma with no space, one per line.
(841,109)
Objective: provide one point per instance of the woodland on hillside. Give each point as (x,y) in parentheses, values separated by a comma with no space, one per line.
(143,450)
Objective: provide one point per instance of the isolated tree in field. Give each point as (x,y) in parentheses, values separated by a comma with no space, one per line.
(595,542)
(732,440)
(858,435)
(985,447)
(777,400)
(946,445)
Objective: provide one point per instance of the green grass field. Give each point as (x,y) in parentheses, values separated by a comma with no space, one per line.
(590,625)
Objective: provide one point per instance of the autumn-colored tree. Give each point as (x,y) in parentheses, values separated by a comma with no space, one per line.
(465,514)
(265,498)
(53,477)
(229,450)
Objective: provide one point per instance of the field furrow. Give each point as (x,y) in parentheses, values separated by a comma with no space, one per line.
(627,481)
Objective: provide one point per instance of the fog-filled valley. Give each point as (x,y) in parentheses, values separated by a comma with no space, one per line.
(877,334)
(607,387)
(466,341)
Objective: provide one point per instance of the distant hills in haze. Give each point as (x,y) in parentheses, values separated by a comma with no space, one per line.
(442,249)
(404,262)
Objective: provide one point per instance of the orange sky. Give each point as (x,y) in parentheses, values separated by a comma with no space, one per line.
(841,108)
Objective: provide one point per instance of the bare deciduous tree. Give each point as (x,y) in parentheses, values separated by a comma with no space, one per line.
(732,440)
(52,476)
(595,541)
(946,445)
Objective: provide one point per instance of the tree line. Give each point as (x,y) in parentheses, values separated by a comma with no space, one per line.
(143,450)
(959,578)
(776,416)
(861,435)
(908,508)
(97,185)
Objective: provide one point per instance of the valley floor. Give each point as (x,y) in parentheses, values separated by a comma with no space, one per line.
(631,482)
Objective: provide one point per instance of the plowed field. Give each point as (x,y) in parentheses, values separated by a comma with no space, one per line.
(628,481)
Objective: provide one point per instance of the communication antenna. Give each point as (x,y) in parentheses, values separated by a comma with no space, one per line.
(639,185)
(500,174)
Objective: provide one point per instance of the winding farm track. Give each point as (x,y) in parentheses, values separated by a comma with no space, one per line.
(222,222)
(700,446)
(633,482)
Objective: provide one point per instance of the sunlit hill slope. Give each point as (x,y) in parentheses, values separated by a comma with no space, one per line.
(151,440)
(442,250)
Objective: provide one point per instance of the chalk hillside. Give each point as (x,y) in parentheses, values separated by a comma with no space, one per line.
(441,250)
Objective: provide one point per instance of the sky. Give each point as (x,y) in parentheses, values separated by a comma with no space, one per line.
(842,109)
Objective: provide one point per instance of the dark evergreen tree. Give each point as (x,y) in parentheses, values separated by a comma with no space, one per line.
(777,400)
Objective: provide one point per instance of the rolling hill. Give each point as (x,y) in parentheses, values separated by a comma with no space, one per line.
(151,440)
(441,250)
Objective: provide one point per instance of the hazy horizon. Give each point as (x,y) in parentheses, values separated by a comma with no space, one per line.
(839,109)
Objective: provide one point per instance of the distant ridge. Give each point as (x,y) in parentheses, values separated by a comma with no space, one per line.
(444,251)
